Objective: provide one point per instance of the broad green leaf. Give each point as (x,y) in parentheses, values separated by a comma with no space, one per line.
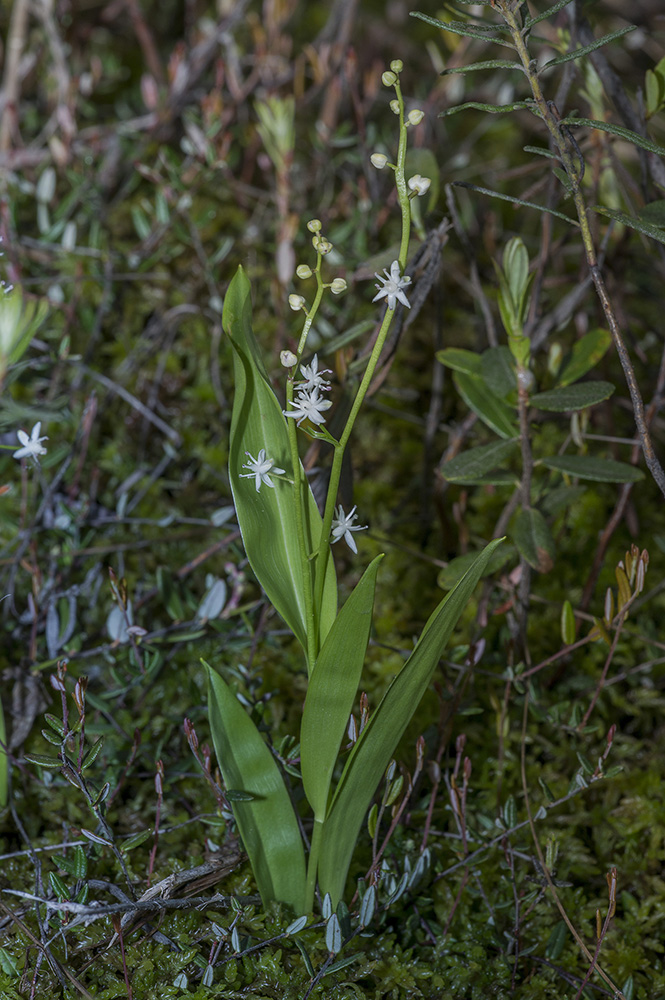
(498,370)
(623,133)
(267,518)
(596,44)
(459,360)
(533,538)
(600,470)
(633,222)
(586,353)
(492,411)
(517,201)
(572,397)
(332,689)
(267,824)
(456,568)
(476,462)
(377,742)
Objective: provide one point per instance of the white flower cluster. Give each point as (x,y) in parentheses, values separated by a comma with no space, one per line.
(309,404)
(391,287)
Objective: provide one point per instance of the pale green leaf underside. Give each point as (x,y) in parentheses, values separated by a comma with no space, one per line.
(267,824)
(377,742)
(267,517)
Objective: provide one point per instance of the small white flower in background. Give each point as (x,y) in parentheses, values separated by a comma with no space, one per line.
(313,377)
(392,286)
(378,160)
(343,525)
(296,302)
(32,446)
(419,184)
(308,406)
(259,469)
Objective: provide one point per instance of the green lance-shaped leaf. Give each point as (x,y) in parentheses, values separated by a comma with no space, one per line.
(377,742)
(572,397)
(586,353)
(600,470)
(492,411)
(332,689)
(267,822)
(267,517)
(640,225)
(498,369)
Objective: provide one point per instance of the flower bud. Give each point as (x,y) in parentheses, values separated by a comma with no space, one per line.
(415,116)
(304,271)
(338,286)
(287,359)
(388,79)
(296,302)
(394,107)
(314,225)
(397,65)
(419,184)
(321,244)
(378,160)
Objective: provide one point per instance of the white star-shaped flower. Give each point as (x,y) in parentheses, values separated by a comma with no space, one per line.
(32,446)
(313,377)
(308,406)
(260,468)
(392,285)
(343,525)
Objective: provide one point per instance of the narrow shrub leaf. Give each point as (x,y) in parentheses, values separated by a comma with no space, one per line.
(623,133)
(572,397)
(487,64)
(517,201)
(476,462)
(533,538)
(267,517)
(600,470)
(492,411)
(332,689)
(377,742)
(567,623)
(585,355)
(596,44)
(267,823)
(633,222)
(498,369)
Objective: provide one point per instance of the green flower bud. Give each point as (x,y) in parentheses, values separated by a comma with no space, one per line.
(338,286)
(304,271)
(397,65)
(296,302)
(378,160)
(388,79)
(314,225)
(415,117)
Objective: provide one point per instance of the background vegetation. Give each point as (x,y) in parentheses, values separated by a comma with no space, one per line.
(148,150)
